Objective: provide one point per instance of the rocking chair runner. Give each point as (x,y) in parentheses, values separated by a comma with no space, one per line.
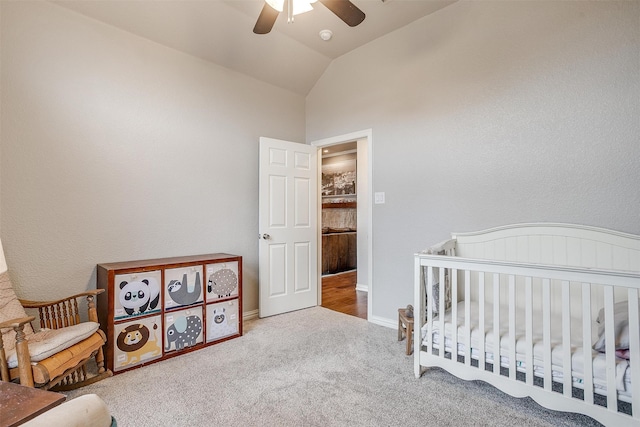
(55,356)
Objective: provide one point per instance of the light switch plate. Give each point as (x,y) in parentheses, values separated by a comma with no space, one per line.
(379,198)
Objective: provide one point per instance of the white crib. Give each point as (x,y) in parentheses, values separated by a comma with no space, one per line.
(536,298)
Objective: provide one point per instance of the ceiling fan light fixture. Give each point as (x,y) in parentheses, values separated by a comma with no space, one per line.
(299,6)
(276,4)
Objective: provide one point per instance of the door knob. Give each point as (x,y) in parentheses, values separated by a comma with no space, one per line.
(265,236)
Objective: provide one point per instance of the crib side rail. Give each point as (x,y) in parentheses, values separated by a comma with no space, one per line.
(619,278)
(550,291)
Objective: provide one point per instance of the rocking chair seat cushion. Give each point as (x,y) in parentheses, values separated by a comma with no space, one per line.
(48,342)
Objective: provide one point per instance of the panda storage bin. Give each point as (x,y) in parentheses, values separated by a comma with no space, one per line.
(222,320)
(136,294)
(137,341)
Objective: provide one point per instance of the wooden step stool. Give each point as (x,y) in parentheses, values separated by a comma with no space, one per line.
(405,328)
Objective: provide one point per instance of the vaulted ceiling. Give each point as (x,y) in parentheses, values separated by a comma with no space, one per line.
(292,56)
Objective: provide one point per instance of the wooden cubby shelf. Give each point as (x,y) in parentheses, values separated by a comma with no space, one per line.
(160,308)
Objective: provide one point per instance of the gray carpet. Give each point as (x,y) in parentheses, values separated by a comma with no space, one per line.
(313,367)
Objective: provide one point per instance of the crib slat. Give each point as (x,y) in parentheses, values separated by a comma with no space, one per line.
(512,327)
(482,331)
(496,323)
(586,343)
(566,340)
(430,309)
(454,313)
(418,315)
(546,331)
(634,350)
(467,316)
(610,349)
(529,329)
(441,313)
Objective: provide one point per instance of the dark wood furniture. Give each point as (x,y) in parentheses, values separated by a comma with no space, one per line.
(343,205)
(405,329)
(160,308)
(19,404)
(339,252)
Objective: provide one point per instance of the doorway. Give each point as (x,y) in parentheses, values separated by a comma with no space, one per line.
(349,291)
(339,230)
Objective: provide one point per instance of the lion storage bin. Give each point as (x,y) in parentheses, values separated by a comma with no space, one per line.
(137,341)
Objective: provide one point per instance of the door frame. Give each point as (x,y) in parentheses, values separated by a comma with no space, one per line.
(364,139)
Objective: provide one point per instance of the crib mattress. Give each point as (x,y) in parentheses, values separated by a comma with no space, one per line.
(623,372)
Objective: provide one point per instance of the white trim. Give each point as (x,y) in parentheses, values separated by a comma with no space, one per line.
(382,321)
(250,315)
(340,139)
(363,135)
(361,287)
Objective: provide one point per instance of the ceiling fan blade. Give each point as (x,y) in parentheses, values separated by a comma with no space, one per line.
(265,21)
(345,10)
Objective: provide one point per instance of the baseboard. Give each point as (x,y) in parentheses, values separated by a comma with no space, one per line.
(389,323)
(382,321)
(361,287)
(249,315)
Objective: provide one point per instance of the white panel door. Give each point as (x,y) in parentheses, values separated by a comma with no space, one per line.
(288,226)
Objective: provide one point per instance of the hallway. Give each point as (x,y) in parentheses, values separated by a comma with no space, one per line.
(339,294)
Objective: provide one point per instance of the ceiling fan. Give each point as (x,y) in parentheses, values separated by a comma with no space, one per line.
(343,9)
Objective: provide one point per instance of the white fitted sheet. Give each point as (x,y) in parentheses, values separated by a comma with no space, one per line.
(623,371)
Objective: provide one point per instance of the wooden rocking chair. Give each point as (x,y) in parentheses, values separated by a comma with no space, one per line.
(56,356)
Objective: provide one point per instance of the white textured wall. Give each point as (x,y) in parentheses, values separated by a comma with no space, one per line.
(489,113)
(115,148)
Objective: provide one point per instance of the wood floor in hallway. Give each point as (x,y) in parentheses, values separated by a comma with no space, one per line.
(339,294)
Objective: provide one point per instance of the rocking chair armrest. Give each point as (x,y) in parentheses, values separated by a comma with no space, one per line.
(16,323)
(39,304)
(22,351)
